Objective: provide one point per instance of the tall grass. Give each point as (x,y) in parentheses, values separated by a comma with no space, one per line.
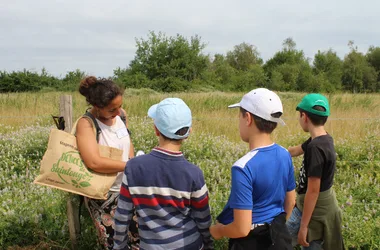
(39,212)
(353,116)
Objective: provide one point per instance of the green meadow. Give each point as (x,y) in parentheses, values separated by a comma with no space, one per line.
(34,217)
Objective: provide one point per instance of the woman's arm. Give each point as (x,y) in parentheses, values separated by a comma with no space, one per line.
(89,150)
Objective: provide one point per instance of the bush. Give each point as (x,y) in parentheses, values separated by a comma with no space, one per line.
(24,81)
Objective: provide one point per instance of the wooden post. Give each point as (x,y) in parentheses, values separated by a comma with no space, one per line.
(66,110)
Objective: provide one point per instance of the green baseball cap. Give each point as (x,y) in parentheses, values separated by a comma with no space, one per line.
(311,100)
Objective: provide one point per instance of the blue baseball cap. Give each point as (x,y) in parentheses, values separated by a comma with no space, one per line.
(171,115)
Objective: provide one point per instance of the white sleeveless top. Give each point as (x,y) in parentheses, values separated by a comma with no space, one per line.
(116,136)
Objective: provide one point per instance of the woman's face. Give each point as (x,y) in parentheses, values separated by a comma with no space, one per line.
(112,110)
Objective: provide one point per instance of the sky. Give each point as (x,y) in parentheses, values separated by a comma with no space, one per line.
(99,36)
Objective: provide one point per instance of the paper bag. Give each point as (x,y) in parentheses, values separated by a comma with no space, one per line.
(63,168)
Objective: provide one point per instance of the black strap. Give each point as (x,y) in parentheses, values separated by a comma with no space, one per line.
(123,117)
(81,200)
(59,122)
(98,130)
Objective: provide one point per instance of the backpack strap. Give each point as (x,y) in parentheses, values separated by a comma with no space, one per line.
(98,130)
(123,117)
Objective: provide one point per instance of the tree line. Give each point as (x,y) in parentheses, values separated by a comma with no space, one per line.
(176,63)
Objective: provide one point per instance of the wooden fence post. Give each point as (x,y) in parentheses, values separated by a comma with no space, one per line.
(66,110)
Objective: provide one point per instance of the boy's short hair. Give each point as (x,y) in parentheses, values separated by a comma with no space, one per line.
(261,124)
(265,107)
(316,107)
(181,131)
(316,120)
(172,117)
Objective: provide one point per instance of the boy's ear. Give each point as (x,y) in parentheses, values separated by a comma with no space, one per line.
(156,131)
(249,119)
(305,118)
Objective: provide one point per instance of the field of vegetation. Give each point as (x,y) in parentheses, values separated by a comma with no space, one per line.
(34,217)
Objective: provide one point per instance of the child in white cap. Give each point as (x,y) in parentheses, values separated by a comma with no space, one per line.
(168,192)
(262,181)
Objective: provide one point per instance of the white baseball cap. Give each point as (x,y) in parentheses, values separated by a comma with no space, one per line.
(262,103)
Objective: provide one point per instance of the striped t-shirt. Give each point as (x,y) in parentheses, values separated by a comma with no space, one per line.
(171,200)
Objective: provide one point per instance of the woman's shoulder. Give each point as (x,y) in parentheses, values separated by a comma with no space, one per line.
(84,125)
(85,121)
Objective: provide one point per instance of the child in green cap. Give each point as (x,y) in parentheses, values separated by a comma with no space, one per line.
(315,222)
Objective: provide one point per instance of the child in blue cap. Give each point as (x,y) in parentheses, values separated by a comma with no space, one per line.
(168,192)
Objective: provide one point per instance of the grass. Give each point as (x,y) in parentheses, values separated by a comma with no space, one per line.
(35,215)
(353,116)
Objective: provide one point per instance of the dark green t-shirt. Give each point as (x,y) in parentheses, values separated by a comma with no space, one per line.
(318,161)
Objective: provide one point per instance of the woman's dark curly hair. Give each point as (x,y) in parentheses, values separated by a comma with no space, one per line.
(99,92)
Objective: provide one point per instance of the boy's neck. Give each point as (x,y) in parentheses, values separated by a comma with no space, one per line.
(260,140)
(169,145)
(317,131)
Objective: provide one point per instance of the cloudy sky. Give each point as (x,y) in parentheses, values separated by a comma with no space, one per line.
(99,36)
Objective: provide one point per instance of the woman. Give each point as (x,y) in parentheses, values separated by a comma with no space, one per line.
(105,97)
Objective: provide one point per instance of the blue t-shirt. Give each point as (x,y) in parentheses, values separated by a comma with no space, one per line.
(259,182)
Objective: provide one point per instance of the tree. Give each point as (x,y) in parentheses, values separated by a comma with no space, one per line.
(358,74)
(222,72)
(244,56)
(175,59)
(289,44)
(353,71)
(305,77)
(290,64)
(331,66)
(288,55)
(71,80)
(370,82)
(373,57)
(290,73)
(249,79)
(276,82)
